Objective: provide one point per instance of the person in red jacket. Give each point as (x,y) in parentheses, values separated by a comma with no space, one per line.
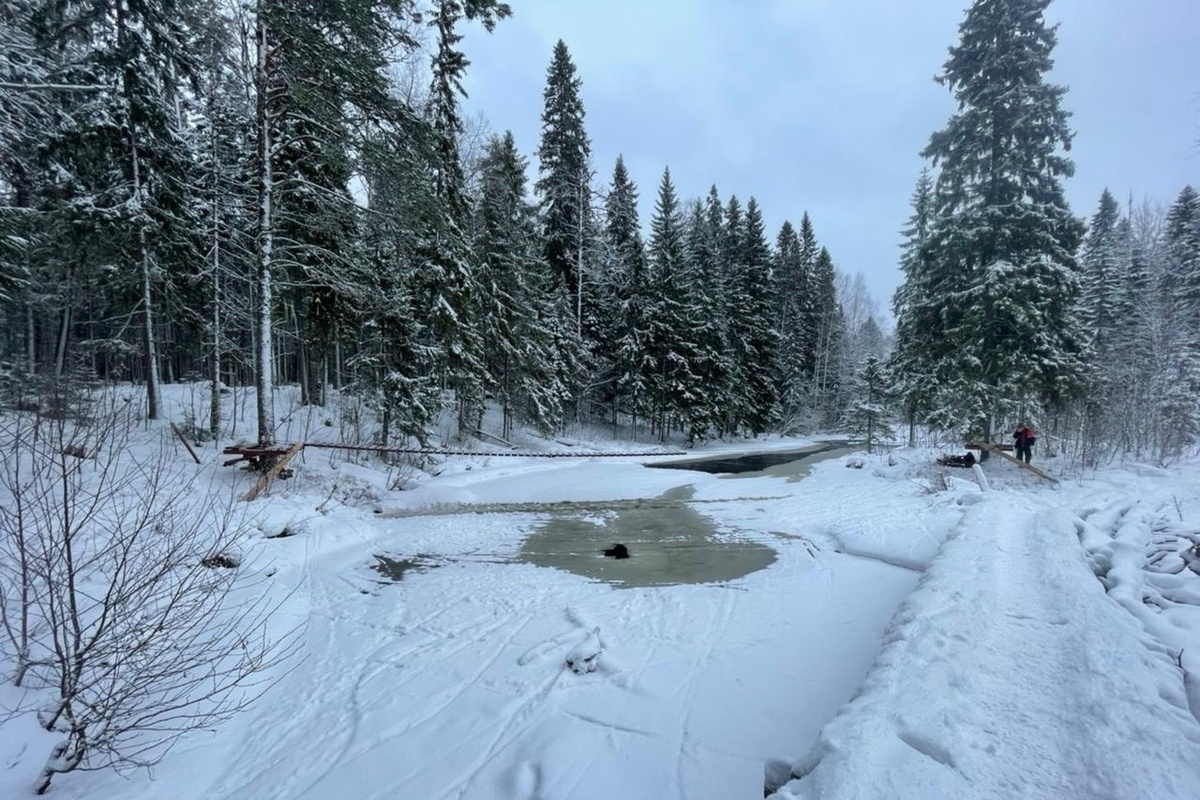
(1024,441)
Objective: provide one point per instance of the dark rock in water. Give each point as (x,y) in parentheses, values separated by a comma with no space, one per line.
(617,551)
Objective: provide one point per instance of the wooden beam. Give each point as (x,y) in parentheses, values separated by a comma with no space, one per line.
(179,434)
(996,449)
(279,465)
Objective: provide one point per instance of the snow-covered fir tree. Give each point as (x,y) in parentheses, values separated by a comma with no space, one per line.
(752,337)
(564,185)
(673,385)
(870,411)
(1178,391)
(917,312)
(629,282)
(446,280)
(830,337)
(513,295)
(789,287)
(704,299)
(1001,250)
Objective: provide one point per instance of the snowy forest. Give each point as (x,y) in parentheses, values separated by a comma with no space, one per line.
(242,222)
(286,192)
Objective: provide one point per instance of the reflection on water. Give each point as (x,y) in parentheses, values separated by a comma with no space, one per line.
(668,544)
(793,464)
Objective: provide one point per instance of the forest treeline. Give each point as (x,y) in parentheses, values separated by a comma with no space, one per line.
(197,190)
(285,192)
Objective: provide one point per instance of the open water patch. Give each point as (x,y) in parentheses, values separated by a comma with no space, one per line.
(669,544)
(777,462)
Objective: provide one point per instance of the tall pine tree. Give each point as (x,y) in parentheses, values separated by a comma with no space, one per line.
(447,275)
(1003,242)
(673,385)
(519,348)
(565,181)
(629,282)
(917,309)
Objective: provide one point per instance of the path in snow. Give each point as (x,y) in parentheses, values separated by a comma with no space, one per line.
(1010,673)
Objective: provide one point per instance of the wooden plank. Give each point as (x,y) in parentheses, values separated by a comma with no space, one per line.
(279,465)
(179,434)
(995,449)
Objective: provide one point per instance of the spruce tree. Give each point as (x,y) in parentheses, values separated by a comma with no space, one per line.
(630,290)
(704,302)
(564,183)
(830,336)
(731,255)
(1100,264)
(1003,243)
(392,362)
(122,160)
(1181,280)
(518,346)
(673,385)
(1178,387)
(1100,267)
(806,308)
(726,408)
(917,310)
(788,281)
(870,407)
(447,280)
(751,329)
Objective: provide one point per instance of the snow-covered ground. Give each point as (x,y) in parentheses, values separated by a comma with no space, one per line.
(905,642)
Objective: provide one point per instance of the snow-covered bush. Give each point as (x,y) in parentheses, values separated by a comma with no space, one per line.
(112,620)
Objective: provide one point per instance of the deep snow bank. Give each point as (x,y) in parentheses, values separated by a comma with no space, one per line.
(1010,673)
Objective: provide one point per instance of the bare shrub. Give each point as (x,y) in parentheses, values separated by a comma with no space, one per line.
(117,624)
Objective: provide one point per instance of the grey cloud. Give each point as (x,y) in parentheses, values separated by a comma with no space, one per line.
(824,105)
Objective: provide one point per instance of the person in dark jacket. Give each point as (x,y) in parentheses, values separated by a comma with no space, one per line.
(1024,441)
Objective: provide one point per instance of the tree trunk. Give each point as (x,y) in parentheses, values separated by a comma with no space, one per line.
(60,356)
(313,364)
(385,422)
(214,408)
(153,384)
(337,363)
(263,377)
(302,364)
(30,341)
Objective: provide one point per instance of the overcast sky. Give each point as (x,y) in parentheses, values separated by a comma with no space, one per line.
(824,105)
